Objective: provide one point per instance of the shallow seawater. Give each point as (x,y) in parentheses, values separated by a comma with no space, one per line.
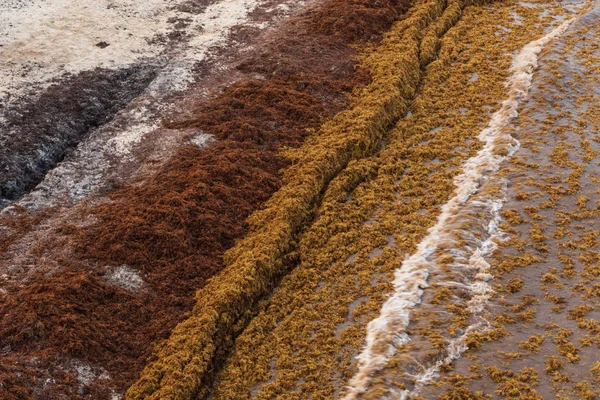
(545,269)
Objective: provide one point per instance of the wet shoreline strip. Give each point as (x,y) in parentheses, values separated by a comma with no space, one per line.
(387,333)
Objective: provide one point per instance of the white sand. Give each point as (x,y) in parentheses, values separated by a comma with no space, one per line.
(44,39)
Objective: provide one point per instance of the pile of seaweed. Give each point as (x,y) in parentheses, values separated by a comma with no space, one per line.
(175,228)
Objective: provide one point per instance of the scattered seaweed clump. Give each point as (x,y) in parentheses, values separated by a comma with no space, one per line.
(514,285)
(512,217)
(564,347)
(515,385)
(553,365)
(533,343)
(595,371)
